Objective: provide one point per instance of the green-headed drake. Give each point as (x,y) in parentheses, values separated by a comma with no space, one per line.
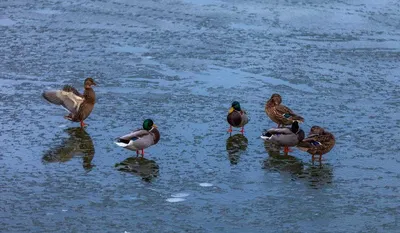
(237,117)
(284,136)
(140,139)
(279,113)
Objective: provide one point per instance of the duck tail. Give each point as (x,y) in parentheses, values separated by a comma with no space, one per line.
(266,136)
(299,119)
(121,142)
(303,146)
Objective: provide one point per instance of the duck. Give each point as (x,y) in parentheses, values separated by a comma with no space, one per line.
(78,105)
(318,142)
(279,113)
(237,117)
(285,136)
(140,139)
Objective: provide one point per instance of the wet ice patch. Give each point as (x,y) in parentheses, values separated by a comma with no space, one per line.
(64,210)
(6,22)
(175,199)
(180,195)
(62,126)
(48,12)
(215,76)
(203,2)
(206,184)
(129,49)
(247,26)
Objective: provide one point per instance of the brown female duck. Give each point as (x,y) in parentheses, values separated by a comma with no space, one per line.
(237,117)
(318,142)
(279,113)
(79,105)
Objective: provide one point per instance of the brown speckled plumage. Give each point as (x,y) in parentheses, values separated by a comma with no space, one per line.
(79,105)
(86,106)
(279,113)
(318,142)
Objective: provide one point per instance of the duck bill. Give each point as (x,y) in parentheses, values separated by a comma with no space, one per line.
(231,110)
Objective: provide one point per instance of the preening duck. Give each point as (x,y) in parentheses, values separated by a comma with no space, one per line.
(279,113)
(140,139)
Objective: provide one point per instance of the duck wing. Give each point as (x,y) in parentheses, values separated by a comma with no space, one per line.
(317,142)
(66,98)
(287,113)
(137,140)
(279,131)
(72,89)
(139,133)
(267,135)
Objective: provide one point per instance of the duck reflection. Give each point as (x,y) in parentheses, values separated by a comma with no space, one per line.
(146,168)
(317,175)
(79,143)
(282,163)
(235,145)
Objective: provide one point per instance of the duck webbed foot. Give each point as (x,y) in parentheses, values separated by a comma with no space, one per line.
(286,150)
(83,125)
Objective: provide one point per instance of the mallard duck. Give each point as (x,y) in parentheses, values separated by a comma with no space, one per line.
(237,117)
(78,105)
(318,142)
(284,136)
(140,139)
(279,113)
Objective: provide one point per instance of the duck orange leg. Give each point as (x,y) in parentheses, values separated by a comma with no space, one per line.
(230,129)
(242,130)
(83,124)
(142,153)
(286,150)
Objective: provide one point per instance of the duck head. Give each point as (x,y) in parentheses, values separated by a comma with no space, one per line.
(276,98)
(89,82)
(235,106)
(148,124)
